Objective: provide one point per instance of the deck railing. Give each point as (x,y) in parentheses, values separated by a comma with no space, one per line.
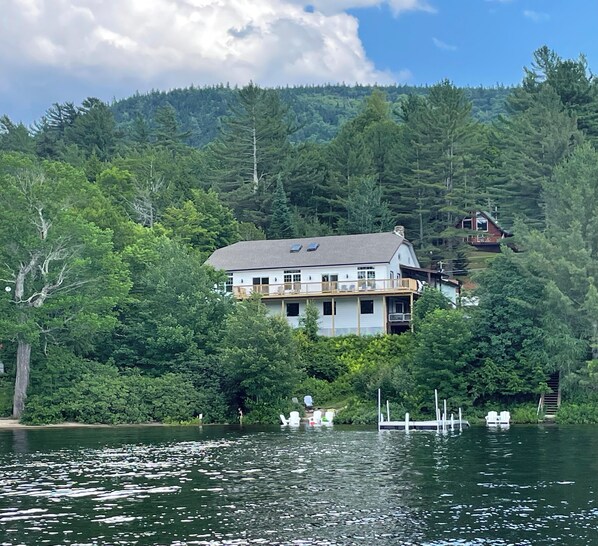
(399,317)
(345,287)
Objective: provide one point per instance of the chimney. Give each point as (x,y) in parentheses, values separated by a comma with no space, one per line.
(400,231)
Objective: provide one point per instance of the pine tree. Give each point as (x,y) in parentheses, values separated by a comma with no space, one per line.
(253,143)
(531,143)
(281,220)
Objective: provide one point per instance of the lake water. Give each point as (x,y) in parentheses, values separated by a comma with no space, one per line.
(222,485)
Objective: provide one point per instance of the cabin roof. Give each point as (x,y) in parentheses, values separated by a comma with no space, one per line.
(369,248)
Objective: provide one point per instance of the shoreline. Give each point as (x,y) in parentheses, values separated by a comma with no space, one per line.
(9,424)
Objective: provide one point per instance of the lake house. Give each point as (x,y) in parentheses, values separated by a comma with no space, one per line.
(361,284)
(483,231)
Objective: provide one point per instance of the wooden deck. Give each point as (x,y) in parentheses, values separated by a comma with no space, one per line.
(360,287)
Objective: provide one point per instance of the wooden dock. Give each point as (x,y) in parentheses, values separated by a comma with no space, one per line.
(423,425)
(443,422)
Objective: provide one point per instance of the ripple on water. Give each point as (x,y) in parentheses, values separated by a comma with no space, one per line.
(330,487)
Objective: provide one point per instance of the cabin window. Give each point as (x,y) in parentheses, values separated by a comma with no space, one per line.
(228,285)
(467,223)
(292,279)
(367,307)
(260,285)
(481,223)
(327,308)
(365,277)
(292,309)
(329,282)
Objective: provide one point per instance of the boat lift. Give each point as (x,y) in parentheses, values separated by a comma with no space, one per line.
(442,423)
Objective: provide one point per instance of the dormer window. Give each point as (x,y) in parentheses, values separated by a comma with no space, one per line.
(481,223)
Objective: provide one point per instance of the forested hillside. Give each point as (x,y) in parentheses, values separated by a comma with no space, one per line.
(317,112)
(107,214)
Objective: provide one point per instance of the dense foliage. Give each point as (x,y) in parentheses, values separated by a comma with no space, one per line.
(107,214)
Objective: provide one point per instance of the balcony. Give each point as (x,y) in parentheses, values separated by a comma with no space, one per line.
(399,318)
(310,289)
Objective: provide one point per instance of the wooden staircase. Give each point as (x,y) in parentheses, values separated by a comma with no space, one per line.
(552,400)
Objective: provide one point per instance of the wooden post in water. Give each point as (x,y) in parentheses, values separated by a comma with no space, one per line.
(387,410)
(437,410)
(460,421)
(444,417)
(379,396)
(407,422)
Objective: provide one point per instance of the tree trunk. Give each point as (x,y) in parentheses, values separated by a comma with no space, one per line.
(22,379)
(256,180)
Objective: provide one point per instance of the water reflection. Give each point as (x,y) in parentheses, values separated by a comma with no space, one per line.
(217,486)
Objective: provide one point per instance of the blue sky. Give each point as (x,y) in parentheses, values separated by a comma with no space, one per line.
(473,42)
(65,50)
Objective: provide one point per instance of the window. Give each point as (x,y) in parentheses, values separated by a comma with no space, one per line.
(481,223)
(228,286)
(292,280)
(260,284)
(329,282)
(292,309)
(467,223)
(311,247)
(296,247)
(365,277)
(327,308)
(367,307)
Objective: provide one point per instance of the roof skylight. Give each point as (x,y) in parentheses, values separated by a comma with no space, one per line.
(312,246)
(296,247)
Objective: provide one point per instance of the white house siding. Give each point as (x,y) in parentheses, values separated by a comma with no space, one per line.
(450,291)
(311,277)
(348,318)
(407,256)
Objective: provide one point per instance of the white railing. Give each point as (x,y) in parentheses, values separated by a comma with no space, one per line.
(399,317)
(359,286)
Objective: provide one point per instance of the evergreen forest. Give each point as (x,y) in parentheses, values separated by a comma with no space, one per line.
(109,211)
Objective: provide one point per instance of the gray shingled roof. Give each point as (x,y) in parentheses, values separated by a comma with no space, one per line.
(369,248)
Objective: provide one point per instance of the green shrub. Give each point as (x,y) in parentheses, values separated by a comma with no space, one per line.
(100,394)
(358,412)
(6,396)
(581,414)
(265,414)
(524,414)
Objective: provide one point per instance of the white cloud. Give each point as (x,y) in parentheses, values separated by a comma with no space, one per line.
(168,43)
(443,45)
(536,16)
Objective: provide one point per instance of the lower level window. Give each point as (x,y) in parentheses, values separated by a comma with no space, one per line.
(367,307)
(327,308)
(292,309)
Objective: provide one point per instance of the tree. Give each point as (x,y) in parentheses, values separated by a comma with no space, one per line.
(251,147)
(430,300)
(15,137)
(167,133)
(93,129)
(309,321)
(442,354)
(441,177)
(531,144)
(366,212)
(203,222)
(258,355)
(575,85)
(281,221)
(511,328)
(565,254)
(64,276)
(174,319)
